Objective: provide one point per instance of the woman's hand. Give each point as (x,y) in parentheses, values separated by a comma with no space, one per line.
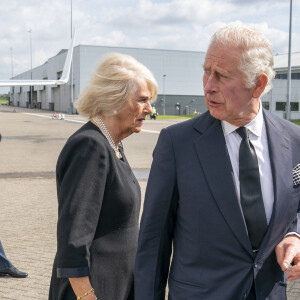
(82,285)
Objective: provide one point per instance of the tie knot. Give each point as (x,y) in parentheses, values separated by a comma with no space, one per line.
(242,131)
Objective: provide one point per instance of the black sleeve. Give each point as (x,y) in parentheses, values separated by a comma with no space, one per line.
(81,177)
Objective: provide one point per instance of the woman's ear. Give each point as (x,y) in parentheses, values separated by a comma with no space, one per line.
(260,85)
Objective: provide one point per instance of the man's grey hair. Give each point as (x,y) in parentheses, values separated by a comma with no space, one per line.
(256,51)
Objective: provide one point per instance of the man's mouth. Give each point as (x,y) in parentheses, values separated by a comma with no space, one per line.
(214,103)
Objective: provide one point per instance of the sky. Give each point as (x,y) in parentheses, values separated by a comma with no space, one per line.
(157,24)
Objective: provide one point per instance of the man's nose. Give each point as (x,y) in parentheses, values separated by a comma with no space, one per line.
(210,83)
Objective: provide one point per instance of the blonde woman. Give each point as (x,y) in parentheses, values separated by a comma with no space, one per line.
(98,195)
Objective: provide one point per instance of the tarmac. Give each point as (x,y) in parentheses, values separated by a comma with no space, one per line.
(31,143)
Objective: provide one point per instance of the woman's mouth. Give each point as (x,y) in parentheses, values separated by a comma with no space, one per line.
(140,121)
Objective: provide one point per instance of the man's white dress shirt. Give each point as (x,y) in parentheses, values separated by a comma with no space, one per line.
(258,138)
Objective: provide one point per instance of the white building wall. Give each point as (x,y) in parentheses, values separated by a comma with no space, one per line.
(183,69)
(279,94)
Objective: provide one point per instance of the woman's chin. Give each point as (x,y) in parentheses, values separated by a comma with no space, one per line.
(137,129)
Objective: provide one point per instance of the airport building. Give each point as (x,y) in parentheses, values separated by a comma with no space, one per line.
(178,73)
(275,99)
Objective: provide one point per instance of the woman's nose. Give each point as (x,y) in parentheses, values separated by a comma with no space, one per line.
(148,108)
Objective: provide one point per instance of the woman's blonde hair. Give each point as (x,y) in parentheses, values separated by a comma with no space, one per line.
(112,85)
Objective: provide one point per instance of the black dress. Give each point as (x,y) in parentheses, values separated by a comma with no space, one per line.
(98,213)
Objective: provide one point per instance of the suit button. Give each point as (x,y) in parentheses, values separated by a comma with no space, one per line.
(245,296)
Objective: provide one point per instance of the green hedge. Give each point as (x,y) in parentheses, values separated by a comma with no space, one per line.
(4,100)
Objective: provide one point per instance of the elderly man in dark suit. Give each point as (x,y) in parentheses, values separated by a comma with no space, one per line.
(221,188)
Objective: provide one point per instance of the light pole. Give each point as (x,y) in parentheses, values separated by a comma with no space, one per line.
(287,105)
(12,75)
(164,96)
(30,99)
(12,64)
(71,75)
(71,18)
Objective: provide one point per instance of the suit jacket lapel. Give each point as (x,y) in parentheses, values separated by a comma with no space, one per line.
(214,159)
(281,166)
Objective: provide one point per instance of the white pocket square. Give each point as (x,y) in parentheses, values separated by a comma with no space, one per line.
(296,175)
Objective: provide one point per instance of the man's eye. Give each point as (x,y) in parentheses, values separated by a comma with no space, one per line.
(220,75)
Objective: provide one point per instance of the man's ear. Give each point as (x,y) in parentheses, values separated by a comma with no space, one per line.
(260,85)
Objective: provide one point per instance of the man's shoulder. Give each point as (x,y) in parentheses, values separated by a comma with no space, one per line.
(282,124)
(197,122)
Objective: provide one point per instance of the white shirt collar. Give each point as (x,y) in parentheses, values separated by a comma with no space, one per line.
(255,126)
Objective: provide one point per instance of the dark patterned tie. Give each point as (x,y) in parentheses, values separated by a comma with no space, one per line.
(251,195)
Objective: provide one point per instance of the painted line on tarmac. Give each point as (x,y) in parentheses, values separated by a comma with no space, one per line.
(83,122)
(76,121)
(150,131)
(36,115)
(43,116)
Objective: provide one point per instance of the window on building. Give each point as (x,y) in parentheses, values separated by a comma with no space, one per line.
(281,76)
(295,76)
(280,106)
(266,105)
(294,106)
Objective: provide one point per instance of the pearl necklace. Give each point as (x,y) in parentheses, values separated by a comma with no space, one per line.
(106,133)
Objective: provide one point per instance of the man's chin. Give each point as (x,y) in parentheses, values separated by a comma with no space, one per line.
(215,114)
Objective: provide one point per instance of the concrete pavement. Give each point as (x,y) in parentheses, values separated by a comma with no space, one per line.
(28,152)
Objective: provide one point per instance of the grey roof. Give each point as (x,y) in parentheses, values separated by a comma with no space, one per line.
(281,61)
(61,51)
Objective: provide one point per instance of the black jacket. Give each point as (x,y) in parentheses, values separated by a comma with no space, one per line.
(98,212)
